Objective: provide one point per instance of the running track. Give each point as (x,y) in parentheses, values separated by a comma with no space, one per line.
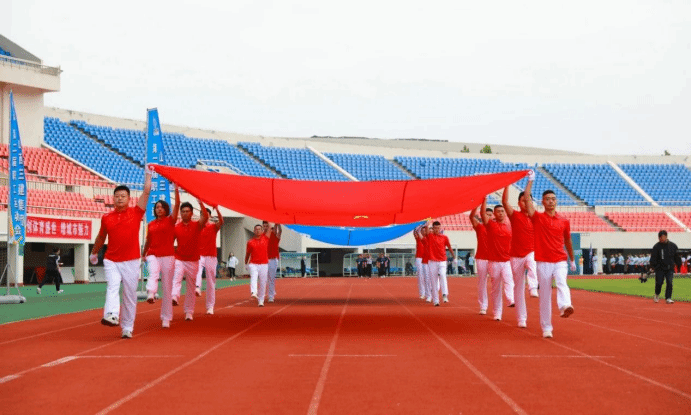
(354,346)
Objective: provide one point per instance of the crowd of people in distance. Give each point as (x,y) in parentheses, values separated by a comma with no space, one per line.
(364,264)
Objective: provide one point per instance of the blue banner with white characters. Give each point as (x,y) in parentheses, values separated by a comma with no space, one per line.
(17,202)
(156,155)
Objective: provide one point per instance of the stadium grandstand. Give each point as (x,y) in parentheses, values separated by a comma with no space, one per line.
(74,159)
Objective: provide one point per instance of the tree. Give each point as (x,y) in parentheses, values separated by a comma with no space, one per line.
(465,149)
(486,150)
(666,153)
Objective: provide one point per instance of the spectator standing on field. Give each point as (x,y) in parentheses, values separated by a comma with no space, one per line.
(664,258)
(52,271)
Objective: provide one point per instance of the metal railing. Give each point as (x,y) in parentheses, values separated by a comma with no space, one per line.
(12,62)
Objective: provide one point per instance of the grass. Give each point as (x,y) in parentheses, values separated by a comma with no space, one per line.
(632,286)
(77,297)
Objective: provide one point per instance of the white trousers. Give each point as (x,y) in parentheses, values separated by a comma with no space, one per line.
(165,268)
(127,273)
(547,271)
(271,277)
(482,269)
(259,272)
(421,277)
(208,263)
(521,267)
(187,269)
(438,277)
(427,280)
(500,273)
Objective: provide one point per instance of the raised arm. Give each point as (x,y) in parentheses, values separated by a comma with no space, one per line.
(220,217)
(530,209)
(505,202)
(484,217)
(268,233)
(472,217)
(176,206)
(277,230)
(203,214)
(144,197)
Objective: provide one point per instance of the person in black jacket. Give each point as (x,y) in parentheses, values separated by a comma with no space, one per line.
(663,260)
(52,271)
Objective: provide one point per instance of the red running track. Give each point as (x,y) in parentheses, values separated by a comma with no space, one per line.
(354,346)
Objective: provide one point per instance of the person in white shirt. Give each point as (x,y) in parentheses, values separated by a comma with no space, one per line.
(231,264)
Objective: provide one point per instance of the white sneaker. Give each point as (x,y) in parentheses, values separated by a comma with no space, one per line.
(188,316)
(496,318)
(655,298)
(38,290)
(437,304)
(422,297)
(521,324)
(567,311)
(482,312)
(253,295)
(150,298)
(670,301)
(534,293)
(260,304)
(165,324)
(547,334)
(127,334)
(210,311)
(271,299)
(428,300)
(110,320)
(198,292)
(445,299)
(61,291)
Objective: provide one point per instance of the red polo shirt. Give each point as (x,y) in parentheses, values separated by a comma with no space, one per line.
(499,241)
(522,235)
(258,250)
(550,234)
(161,234)
(482,238)
(188,235)
(122,230)
(273,247)
(207,240)
(437,244)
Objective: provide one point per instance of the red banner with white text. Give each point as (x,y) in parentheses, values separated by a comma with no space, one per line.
(58,228)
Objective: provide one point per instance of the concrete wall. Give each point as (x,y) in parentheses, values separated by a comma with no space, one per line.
(28,103)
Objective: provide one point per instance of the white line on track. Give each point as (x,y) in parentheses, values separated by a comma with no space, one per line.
(319,388)
(558,356)
(71,358)
(165,376)
(342,355)
(632,335)
(509,401)
(668,323)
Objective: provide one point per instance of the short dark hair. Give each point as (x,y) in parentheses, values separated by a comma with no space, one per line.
(522,194)
(437,222)
(264,221)
(498,206)
(547,192)
(256,226)
(186,205)
(662,232)
(488,210)
(164,204)
(209,211)
(121,187)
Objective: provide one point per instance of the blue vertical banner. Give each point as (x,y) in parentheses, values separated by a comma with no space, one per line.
(156,155)
(17,202)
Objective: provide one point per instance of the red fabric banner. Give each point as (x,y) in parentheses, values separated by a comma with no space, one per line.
(58,228)
(361,204)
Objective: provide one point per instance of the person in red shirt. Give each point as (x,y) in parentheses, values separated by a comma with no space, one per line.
(521,253)
(208,260)
(273,255)
(257,262)
(498,244)
(159,251)
(552,237)
(420,272)
(437,264)
(187,234)
(481,256)
(122,258)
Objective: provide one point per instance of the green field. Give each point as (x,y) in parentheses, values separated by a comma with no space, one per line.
(77,297)
(632,286)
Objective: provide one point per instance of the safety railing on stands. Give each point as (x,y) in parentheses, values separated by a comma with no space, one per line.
(13,62)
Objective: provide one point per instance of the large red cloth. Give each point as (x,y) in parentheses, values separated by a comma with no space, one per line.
(321,203)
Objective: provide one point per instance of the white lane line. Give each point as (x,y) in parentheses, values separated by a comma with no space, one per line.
(319,388)
(632,335)
(165,376)
(538,356)
(60,361)
(71,358)
(234,305)
(509,401)
(342,355)
(668,323)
